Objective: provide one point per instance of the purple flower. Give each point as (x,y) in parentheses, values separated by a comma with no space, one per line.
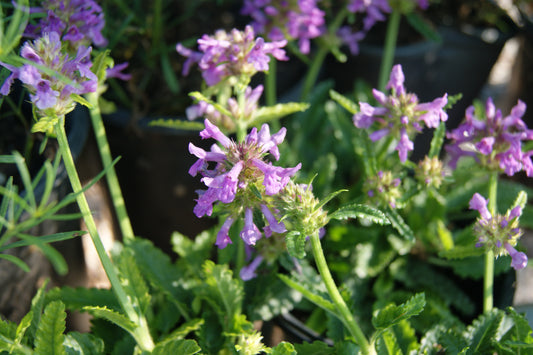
(351,38)
(51,94)
(78,22)
(495,141)
(231,54)
(498,232)
(238,167)
(250,233)
(248,272)
(401,115)
(300,20)
(375,11)
(223,238)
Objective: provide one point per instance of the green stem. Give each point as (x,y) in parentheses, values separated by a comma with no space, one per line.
(318,60)
(390,46)
(488,281)
(142,334)
(346,316)
(270,89)
(111,175)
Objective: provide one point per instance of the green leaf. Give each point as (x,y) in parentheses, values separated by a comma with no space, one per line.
(177,346)
(329,198)
(81,100)
(271,113)
(132,280)
(223,293)
(45,124)
(422,26)
(392,314)
(186,328)
(83,344)
(177,124)
(387,344)
(483,332)
(399,224)
(49,337)
(345,102)
(283,348)
(295,244)
(360,211)
(314,348)
(113,317)
(311,296)
(77,298)
(461,252)
(21,264)
(21,329)
(437,140)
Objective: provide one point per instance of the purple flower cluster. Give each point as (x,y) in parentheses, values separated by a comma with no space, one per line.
(383,188)
(495,141)
(298,20)
(207,110)
(231,55)
(498,232)
(51,93)
(240,170)
(401,115)
(78,22)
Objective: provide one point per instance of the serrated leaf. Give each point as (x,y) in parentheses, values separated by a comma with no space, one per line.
(132,281)
(270,113)
(21,329)
(186,328)
(177,346)
(283,348)
(360,211)
(387,344)
(113,317)
(49,337)
(392,314)
(222,292)
(314,348)
(77,298)
(521,330)
(45,124)
(295,243)
(329,198)
(483,331)
(37,304)
(399,224)
(345,102)
(177,124)
(437,140)
(83,344)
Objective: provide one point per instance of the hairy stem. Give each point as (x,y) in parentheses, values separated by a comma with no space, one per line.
(488,281)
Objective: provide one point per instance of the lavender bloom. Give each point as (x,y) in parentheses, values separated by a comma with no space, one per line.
(248,272)
(499,232)
(231,54)
(495,141)
(351,38)
(375,11)
(237,167)
(298,20)
(78,22)
(51,94)
(401,115)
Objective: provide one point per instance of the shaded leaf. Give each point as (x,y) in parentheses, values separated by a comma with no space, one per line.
(399,224)
(482,334)
(83,344)
(177,346)
(392,314)
(49,337)
(360,211)
(113,317)
(283,348)
(295,243)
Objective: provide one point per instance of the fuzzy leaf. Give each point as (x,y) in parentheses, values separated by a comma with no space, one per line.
(399,224)
(83,344)
(482,334)
(360,211)
(271,113)
(437,140)
(177,346)
(387,344)
(345,102)
(132,281)
(49,337)
(392,314)
(177,124)
(295,244)
(284,348)
(222,292)
(113,317)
